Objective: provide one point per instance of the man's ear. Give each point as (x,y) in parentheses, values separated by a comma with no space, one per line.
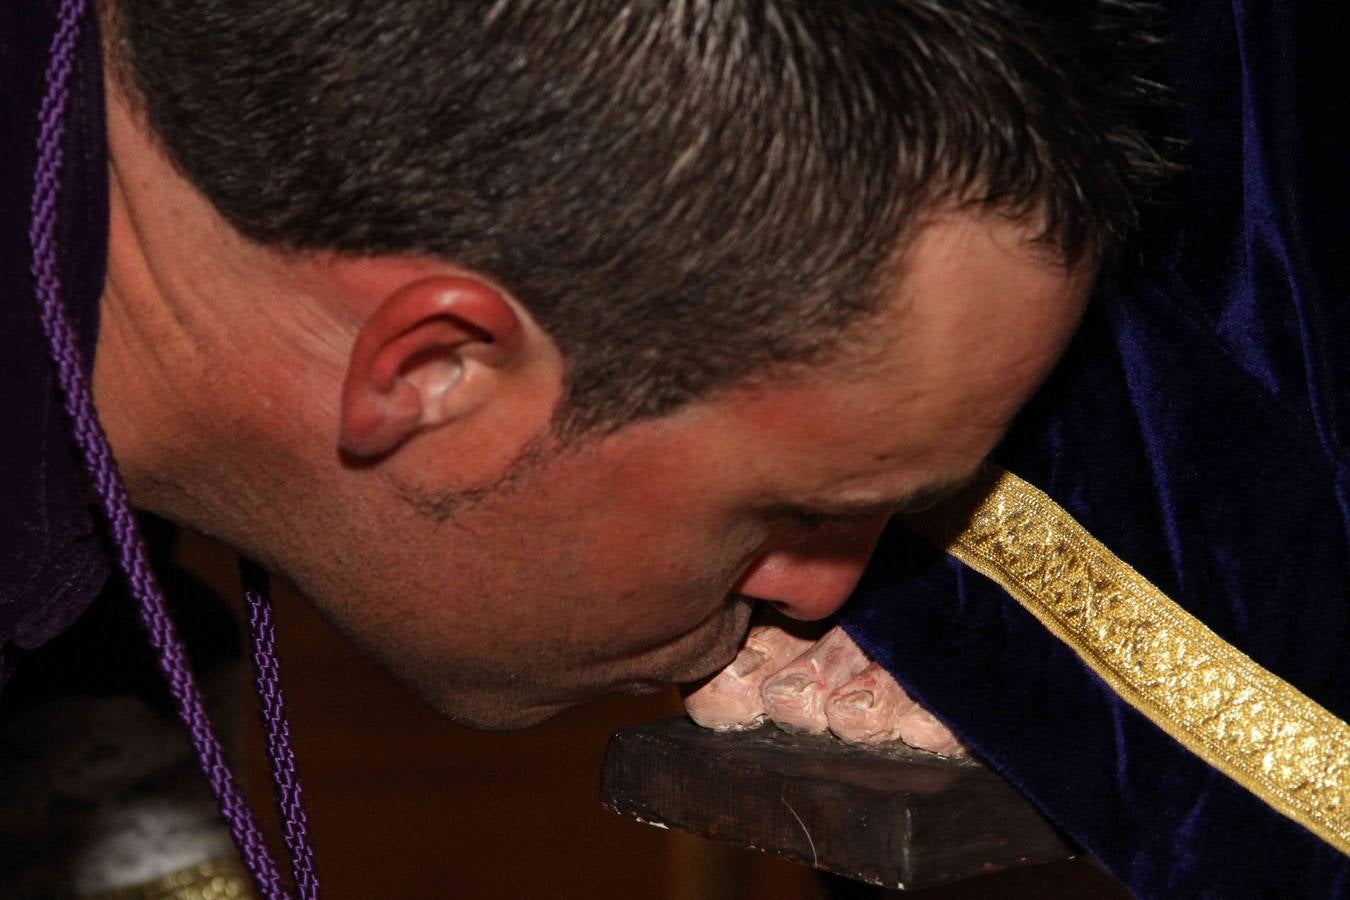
(432,353)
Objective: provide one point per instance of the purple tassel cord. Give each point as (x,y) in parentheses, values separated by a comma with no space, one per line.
(75,384)
(290,800)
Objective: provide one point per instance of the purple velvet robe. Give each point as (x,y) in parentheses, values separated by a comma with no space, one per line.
(53,560)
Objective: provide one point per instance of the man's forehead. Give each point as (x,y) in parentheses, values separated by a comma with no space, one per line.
(845,448)
(976,325)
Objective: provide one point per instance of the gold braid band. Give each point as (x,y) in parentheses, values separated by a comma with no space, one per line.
(1249,724)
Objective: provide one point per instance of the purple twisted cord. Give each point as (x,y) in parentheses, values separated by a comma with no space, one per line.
(75,383)
(277,727)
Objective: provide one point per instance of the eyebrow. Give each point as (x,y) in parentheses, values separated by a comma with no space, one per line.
(921,497)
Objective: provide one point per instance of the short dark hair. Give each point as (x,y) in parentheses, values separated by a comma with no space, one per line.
(683,193)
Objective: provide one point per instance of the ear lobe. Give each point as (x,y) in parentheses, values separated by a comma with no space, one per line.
(429,355)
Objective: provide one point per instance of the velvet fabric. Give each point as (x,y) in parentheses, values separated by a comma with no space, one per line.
(52,557)
(1198,427)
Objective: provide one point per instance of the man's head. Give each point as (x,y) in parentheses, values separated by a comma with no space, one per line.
(519,331)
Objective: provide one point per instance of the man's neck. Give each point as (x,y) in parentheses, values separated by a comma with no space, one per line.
(195,320)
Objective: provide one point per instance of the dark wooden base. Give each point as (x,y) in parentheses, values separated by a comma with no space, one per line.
(897,818)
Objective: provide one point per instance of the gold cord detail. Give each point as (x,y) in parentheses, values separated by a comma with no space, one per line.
(1248,723)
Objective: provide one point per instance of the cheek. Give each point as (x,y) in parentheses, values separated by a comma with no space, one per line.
(662,579)
(628,539)
(655,532)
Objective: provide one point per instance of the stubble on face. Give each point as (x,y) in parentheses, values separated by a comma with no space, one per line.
(447,503)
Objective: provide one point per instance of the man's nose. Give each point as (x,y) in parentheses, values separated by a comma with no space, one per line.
(810,577)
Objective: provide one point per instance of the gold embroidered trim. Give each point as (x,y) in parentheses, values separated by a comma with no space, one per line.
(216,879)
(1249,724)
